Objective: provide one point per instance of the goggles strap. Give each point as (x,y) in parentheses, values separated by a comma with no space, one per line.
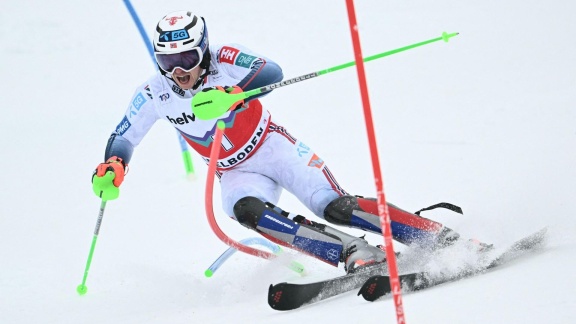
(205,64)
(161,70)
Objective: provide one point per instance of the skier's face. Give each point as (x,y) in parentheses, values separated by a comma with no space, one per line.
(186,80)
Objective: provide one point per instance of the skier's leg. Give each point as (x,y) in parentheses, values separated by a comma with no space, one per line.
(407,228)
(306,176)
(239,183)
(320,241)
(281,162)
(302,172)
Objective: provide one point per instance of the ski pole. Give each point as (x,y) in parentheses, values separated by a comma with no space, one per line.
(82,289)
(213,104)
(186,156)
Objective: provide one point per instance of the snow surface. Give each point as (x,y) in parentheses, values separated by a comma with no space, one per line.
(486,121)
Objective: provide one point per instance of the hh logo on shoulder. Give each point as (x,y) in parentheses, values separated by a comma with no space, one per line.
(234,56)
(228,54)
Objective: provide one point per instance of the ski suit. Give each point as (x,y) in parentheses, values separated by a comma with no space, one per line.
(258,157)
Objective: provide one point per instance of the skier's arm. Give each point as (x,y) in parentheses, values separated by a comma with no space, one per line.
(120,147)
(251,69)
(262,73)
(137,121)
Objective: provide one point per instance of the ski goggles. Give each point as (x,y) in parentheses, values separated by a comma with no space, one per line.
(186,61)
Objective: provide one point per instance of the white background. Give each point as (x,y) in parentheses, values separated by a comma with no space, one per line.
(486,121)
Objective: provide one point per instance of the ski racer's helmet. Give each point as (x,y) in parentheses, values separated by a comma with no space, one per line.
(181,40)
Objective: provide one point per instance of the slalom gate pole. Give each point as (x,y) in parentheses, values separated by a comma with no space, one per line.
(276,249)
(186,156)
(230,251)
(379,182)
(210,105)
(81,288)
(214,152)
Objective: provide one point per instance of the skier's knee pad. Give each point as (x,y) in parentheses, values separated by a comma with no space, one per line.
(248,211)
(339,211)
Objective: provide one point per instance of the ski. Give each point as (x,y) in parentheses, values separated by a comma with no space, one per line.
(288,296)
(375,283)
(379,285)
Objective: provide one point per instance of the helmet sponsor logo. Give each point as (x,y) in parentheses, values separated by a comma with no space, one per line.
(137,103)
(174,35)
(123,126)
(245,60)
(173,20)
(228,54)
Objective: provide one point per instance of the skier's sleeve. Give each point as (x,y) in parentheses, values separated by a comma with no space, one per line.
(253,70)
(120,147)
(262,73)
(138,119)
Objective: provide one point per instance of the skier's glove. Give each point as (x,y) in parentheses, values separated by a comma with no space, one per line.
(108,177)
(215,101)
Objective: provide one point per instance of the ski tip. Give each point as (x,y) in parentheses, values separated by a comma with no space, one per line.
(537,239)
(541,236)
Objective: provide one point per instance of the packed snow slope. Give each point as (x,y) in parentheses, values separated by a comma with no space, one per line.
(486,121)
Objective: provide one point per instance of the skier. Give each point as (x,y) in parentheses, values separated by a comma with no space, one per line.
(259,157)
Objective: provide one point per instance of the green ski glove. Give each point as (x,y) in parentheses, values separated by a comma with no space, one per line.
(214,102)
(104,186)
(107,178)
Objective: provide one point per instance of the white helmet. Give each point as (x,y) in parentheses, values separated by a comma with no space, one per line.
(181,32)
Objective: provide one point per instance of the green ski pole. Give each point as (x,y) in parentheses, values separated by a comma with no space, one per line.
(213,104)
(82,289)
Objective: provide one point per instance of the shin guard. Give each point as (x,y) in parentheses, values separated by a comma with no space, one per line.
(255,214)
(362,213)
